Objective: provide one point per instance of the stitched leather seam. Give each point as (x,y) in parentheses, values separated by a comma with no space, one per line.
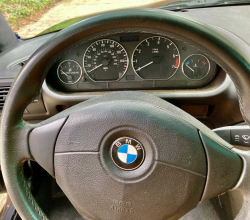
(240,100)
(31,198)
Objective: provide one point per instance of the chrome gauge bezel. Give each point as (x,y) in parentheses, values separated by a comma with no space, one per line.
(59,75)
(132,63)
(209,66)
(105,80)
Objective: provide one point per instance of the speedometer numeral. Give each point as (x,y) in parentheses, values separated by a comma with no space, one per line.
(110,61)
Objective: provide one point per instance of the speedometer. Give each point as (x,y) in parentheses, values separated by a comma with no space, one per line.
(156,58)
(105,60)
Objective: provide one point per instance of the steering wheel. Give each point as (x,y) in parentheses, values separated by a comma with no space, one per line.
(179,162)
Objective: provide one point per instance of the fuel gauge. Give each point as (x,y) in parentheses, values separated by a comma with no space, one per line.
(69,71)
(196,66)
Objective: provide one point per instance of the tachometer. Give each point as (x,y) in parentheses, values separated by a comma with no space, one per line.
(156,58)
(69,71)
(105,60)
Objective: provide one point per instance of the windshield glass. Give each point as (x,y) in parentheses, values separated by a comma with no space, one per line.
(30,18)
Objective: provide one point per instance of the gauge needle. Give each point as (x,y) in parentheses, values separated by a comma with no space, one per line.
(64,73)
(189,68)
(95,68)
(144,66)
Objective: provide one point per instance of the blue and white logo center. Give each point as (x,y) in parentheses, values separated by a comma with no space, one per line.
(127,153)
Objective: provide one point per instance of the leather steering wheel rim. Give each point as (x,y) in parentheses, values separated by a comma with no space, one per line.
(233,59)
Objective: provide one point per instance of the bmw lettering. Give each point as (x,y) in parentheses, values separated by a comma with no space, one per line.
(127,153)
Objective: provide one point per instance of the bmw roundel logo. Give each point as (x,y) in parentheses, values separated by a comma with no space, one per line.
(127,153)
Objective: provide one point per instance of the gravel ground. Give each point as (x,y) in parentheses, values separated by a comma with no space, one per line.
(67,9)
(3,198)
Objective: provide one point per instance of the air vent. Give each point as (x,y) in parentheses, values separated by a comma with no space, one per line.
(3,94)
(22,63)
(19,64)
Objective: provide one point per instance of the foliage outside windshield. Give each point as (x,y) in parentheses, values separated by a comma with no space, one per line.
(30,17)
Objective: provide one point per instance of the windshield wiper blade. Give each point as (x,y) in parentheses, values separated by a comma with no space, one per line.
(188,4)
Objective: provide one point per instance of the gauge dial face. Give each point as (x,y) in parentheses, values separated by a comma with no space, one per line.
(105,60)
(156,58)
(69,71)
(196,67)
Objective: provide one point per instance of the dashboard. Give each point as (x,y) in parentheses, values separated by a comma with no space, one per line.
(210,99)
(131,60)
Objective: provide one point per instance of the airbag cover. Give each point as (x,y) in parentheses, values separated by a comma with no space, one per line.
(168,184)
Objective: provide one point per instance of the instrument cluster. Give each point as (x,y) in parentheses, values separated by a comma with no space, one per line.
(131,61)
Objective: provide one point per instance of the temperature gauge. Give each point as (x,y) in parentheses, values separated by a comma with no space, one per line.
(196,66)
(69,71)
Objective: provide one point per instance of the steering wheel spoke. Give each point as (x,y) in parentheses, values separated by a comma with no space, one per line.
(243,185)
(42,142)
(224,168)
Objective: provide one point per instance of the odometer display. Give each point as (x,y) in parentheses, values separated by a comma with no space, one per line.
(105,60)
(156,58)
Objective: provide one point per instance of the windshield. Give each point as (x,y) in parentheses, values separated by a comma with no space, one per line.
(30,18)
